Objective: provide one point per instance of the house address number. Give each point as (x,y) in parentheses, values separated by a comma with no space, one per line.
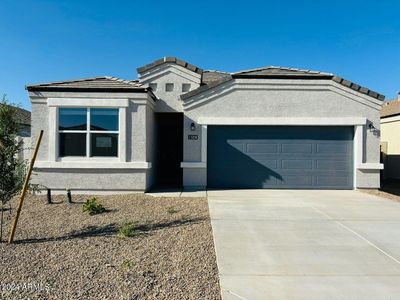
(193,137)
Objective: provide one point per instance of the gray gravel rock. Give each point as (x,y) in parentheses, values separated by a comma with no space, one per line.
(63,253)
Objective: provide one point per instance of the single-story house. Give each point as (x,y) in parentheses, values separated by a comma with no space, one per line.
(24,134)
(179,125)
(390,138)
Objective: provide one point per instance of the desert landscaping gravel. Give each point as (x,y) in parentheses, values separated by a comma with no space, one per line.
(61,252)
(389,190)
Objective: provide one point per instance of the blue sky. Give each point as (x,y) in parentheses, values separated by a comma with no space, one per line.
(45,40)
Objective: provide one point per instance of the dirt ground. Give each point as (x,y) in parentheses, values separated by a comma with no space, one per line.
(63,253)
(389,190)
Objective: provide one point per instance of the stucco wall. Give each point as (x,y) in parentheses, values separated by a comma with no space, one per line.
(390,128)
(40,121)
(262,98)
(170,73)
(129,172)
(91,179)
(151,144)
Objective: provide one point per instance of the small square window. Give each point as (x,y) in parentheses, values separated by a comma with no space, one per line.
(169,87)
(153,86)
(185,87)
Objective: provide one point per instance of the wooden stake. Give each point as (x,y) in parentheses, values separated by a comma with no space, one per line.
(25,188)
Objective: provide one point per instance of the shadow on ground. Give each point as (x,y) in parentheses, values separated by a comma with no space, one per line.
(391,187)
(111,230)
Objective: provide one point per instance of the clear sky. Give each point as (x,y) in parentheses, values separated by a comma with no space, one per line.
(50,40)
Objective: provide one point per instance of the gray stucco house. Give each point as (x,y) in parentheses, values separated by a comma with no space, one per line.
(179,125)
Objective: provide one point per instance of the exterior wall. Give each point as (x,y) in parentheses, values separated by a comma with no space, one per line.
(269,100)
(91,179)
(170,73)
(390,133)
(40,121)
(128,172)
(151,144)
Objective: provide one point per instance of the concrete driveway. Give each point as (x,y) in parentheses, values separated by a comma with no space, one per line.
(276,244)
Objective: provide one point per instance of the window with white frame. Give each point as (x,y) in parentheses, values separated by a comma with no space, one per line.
(88,132)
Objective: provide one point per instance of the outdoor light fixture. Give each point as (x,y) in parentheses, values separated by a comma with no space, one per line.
(192,127)
(371,127)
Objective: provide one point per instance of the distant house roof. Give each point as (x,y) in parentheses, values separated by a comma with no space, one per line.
(273,72)
(101,83)
(166,60)
(23,115)
(390,108)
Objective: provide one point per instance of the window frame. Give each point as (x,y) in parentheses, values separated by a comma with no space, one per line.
(169,84)
(186,85)
(88,132)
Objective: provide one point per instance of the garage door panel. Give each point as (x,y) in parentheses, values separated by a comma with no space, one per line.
(262,148)
(339,165)
(296,180)
(297,148)
(326,181)
(303,164)
(333,148)
(280,157)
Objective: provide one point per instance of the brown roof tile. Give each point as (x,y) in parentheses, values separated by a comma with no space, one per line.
(102,82)
(169,59)
(390,108)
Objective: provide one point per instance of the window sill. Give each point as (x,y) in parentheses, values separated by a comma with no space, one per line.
(370,166)
(92,165)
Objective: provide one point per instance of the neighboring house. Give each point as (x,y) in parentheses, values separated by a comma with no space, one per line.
(390,138)
(24,134)
(178,125)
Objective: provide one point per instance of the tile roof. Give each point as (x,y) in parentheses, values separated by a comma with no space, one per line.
(101,82)
(273,72)
(390,108)
(169,59)
(282,71)
(211,75)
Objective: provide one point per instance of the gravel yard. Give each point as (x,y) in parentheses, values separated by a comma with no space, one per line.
(63,253)
(389,190)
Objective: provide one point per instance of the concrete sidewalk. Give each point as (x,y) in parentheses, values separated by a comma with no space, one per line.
(177,192)
(276,244)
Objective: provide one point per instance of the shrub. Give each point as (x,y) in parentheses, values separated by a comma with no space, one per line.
(126,264)
(12,169)
(172,210)
(127,229)
(93,207)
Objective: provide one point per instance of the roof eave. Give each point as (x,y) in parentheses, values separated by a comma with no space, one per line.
(85,89)
(390,115)
(283,76)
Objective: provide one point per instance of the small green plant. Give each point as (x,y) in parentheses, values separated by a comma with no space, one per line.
(126,264)
(172,210)
(93,207)
(128,229)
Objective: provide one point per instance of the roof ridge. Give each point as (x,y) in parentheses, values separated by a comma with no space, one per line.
(218,71)
(283,68)
(169,59)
